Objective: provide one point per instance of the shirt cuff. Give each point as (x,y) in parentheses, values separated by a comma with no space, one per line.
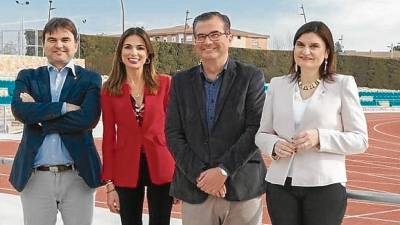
(224,171)
(64,108)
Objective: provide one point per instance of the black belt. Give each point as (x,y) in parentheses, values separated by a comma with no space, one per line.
(56,168)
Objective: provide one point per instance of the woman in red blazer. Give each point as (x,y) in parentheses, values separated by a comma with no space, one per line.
(134,101)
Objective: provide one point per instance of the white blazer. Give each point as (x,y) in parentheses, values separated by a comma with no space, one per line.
(335,111)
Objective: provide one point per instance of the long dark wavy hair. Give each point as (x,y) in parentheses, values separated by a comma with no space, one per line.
(321,29)
(118,70)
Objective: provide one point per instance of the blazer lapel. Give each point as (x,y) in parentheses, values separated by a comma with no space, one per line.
(43,82)
(197,84)
(228,79)
(290,109)
(69,83)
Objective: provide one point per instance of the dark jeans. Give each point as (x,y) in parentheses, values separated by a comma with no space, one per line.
(292,205)
(158,200)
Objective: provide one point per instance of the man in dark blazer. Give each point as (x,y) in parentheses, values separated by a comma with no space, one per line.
(213,116)
(57,167)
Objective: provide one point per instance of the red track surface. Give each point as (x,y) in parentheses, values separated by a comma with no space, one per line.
(376,170)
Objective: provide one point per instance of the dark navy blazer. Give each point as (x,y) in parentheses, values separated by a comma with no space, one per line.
(44,117)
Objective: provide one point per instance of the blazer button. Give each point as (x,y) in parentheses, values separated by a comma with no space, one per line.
(206,142)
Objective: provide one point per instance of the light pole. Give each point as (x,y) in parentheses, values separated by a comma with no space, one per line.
(186,25)
(123,16)
(21,41)
(303,13)
(50,8)
(79,38)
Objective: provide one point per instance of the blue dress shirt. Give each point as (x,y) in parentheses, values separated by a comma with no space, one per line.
(211,90)
(53,151)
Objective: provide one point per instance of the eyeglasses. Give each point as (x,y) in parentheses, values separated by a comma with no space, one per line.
(214,36)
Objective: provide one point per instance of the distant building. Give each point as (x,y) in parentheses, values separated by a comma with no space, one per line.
(241,39)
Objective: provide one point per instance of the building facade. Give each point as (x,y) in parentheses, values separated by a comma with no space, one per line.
(241,39)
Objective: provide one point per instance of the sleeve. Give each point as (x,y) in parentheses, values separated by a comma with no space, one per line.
(266,137)
(86,118)
(354,137)
(244,148)
(109,137)
(31,112)
(185,159)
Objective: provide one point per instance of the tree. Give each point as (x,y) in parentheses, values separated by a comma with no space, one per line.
(396,48)
(338,47)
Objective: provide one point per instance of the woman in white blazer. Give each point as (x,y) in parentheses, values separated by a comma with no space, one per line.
(312,119)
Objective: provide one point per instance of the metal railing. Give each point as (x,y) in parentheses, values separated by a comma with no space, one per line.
(371,196)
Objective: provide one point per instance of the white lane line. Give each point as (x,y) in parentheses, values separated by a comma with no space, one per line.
(383,220)
(388,142)
(379,162)
(371,120)
(384,133)
(373,164)
(372,175)
(374,182)
(373,213)
(370,155)
(352,186)
(384,174)
(364,202)
(385,149)
(371,167)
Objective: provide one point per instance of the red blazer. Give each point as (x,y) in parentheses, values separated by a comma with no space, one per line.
(122,137)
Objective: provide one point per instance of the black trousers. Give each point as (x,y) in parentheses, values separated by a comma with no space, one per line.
(158,200)
(291,205)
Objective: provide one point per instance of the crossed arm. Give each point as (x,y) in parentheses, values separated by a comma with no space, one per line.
(50,115)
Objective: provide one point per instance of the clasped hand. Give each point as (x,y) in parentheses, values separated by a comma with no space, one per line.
(212,182)
(302,141)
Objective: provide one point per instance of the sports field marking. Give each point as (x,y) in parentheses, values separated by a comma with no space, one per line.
(374,213)
(378,219)
(355,187)
(369,167)
(374,182)
(397,164)
(388,142)
(372,175)
(384,133)
(384,175)
(385,149)
(374,203)
(373,164)
(371,155)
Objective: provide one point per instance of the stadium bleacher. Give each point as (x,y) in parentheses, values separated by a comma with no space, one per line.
(368,97)
(375,97)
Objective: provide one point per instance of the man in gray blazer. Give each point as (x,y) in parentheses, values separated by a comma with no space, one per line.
(213,116)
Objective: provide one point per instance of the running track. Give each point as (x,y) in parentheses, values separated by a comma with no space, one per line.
(376,170)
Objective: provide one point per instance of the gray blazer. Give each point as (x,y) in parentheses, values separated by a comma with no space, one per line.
(230,143)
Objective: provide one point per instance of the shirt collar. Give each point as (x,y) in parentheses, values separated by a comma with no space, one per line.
(70,65)
(219,74)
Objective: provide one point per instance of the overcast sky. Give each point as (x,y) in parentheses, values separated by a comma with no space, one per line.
(365,24)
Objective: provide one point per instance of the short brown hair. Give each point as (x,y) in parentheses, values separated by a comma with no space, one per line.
(208,15)
(322,30)
(59,22)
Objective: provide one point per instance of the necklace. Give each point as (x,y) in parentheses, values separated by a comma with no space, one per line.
(311,86)
(138,92)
